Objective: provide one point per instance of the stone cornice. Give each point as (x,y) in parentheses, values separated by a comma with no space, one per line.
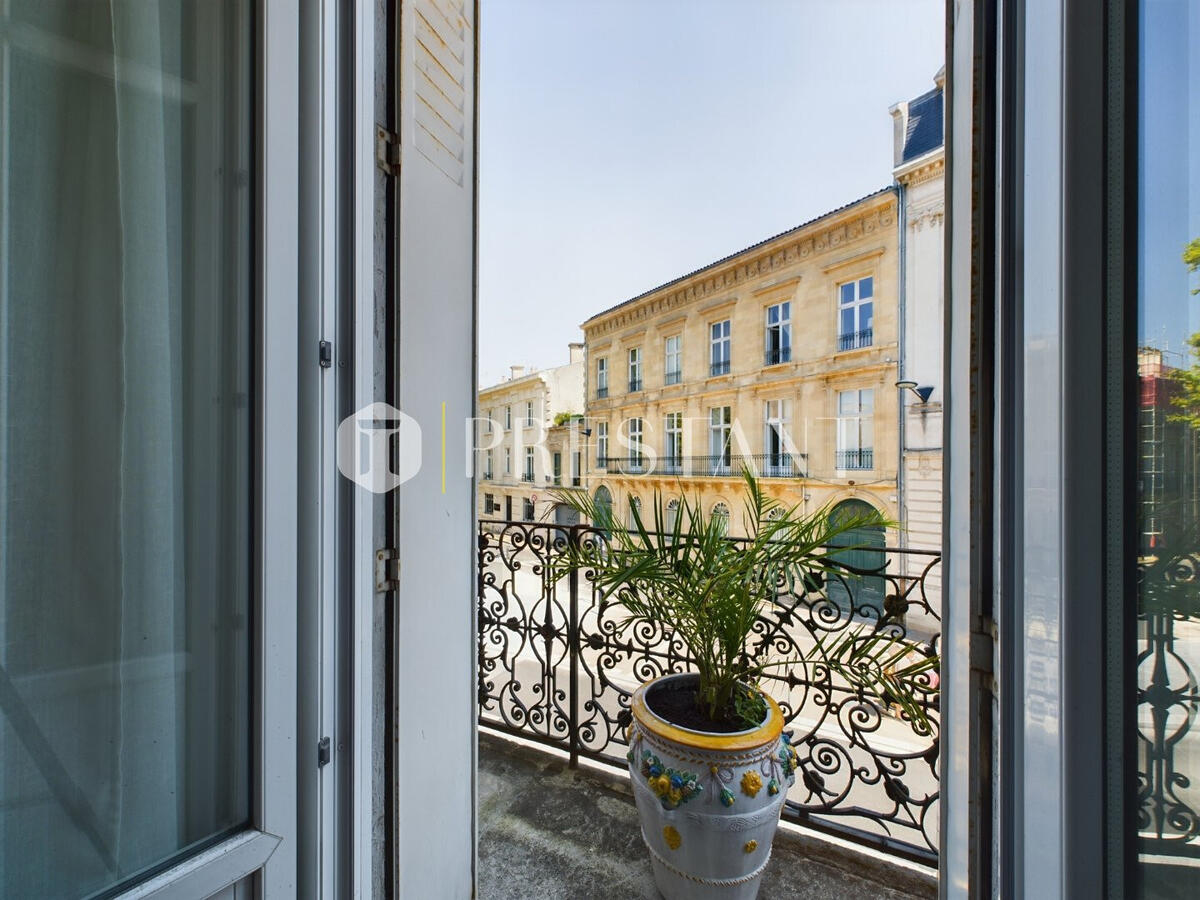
(870,217)
(927,168)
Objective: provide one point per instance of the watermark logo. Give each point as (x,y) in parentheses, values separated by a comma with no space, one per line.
(379,447)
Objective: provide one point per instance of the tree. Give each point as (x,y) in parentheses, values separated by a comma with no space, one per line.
(1191,256)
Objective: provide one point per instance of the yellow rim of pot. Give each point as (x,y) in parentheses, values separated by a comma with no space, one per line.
(703,740)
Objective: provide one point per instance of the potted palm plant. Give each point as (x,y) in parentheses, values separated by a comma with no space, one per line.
(708,757)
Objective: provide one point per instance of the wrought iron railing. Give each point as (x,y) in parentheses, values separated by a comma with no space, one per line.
(601,392)
(855,459)
(777,355)
(852,340)
(556,667)
(764,465)
(719,368)
(673,377)
(635,384)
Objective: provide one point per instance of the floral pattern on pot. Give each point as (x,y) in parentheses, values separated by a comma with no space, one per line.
(751,783)
(671,786)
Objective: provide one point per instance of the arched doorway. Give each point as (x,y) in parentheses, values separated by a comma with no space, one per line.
(858,591)
(603,498)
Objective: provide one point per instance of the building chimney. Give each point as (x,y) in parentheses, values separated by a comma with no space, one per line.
(899,113)
(576,352)
(517,372)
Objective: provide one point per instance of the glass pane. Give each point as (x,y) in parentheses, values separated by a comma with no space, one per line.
(125,416)
(866,288)
(1168,624)
(848,321)
(848,293)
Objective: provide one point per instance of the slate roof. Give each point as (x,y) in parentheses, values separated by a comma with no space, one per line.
(924,125)
(890,189)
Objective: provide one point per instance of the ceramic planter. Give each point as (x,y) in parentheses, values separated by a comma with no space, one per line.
(708,803)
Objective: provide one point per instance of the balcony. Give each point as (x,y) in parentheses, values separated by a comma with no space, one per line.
(763,465)
(549,830)
(777,356)
(855,459)
(635,384)
(854,340)
(556,671)
(527,476)
(601,392)
(673,377)
(719,368)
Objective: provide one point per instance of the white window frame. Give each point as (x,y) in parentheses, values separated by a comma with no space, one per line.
(602,377)
(782,325)
(488,470)
(720,359)
(528,413)
(720,440)
(850,428)
(673,359)
(636,454)
(508,418)
(776,420)
(528,472)
(856,303)
(635,369)
(507,460)
(673,442)
(601,443)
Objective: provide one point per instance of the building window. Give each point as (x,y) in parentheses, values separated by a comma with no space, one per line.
(557,468)
(507,418)
(529,414)
(778,462)
(779,334)
(720,514)
(602,444)
(576,469)
(527,509)
(856,429)
(720,432)
(635,445)
(719,361)
(507,461)
(635,369)
(528,473)
(635,512)
(672,515)
(489,504)
(855,314)
(673,445)
(674,360)
(487,466)
(489,421)
(602,378)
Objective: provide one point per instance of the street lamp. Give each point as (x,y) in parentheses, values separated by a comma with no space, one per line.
(922,392)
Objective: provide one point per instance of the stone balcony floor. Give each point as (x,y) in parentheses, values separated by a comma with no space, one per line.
(548,832)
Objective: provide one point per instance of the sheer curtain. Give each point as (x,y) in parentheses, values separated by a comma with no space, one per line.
(124,414)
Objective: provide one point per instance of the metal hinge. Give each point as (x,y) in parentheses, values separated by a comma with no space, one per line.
(387,570)
(387,150)
(323,752)
(325,354)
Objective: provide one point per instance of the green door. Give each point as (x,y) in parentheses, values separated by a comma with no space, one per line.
(854,589)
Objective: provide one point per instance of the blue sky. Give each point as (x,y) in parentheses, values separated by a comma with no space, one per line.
(626,142)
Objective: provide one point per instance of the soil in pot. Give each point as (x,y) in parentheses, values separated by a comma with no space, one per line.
(675,701)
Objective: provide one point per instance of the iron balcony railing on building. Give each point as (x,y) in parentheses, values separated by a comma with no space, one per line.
(855,459)
(778,355)
(601,392)
(527,476)
(556,666)
(673,377)
(852,340)
(719,368)
(635,384)
(765,465)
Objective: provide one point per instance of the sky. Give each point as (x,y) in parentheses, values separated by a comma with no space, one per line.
(623,143)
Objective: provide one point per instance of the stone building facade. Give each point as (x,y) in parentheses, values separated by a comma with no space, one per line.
(517,439)
(781,357)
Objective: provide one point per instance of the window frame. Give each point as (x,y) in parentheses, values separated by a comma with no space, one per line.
(720,458)
(673,374)
(843,462)
(672,458)
(636,435)
(783,352)
(602,377)
(635,369)
(720,361)
(854,339)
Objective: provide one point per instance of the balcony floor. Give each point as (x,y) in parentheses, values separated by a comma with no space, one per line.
(550,832)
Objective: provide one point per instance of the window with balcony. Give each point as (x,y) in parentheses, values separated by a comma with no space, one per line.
(489,421)
(529,414)
(489,504)
(602,378)
(778,334)
(487,466)
(507,418)
(673,360)
(856,314)
(527,475)
(557,467)
(601,444)
(720,435)
(635,369)
(576,469)
(527,511)
(778,461)
(672,460)
(719,358)
(856,429)
(636,457)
